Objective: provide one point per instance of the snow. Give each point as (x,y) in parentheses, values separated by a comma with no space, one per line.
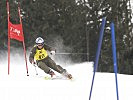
(18,86)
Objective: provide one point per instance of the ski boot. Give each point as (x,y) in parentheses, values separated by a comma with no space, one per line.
(67,75)
(51,73)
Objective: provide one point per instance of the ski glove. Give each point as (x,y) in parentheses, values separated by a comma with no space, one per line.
(52,52)
(32,61)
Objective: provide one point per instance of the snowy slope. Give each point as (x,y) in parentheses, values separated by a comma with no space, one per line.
(17,86)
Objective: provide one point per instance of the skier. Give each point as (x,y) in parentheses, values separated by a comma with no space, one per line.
(39,55)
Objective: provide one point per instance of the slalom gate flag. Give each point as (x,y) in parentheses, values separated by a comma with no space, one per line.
(15,31)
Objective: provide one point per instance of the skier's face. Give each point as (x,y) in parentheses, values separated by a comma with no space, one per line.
(39,46)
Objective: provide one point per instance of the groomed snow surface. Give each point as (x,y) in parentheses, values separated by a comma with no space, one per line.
(18,86)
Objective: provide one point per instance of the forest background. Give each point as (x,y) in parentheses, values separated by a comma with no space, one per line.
(72,27)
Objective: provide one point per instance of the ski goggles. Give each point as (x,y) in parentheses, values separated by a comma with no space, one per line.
(39,44)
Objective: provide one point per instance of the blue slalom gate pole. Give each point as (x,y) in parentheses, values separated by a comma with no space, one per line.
(98,53)
(114,56)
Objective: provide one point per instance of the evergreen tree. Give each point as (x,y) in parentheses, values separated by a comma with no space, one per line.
(77,25)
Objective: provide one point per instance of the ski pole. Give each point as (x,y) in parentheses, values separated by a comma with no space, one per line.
(35,69)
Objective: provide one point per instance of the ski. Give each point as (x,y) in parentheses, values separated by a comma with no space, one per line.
(57,78)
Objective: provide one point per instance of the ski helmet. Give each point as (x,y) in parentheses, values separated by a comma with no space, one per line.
(39,40)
